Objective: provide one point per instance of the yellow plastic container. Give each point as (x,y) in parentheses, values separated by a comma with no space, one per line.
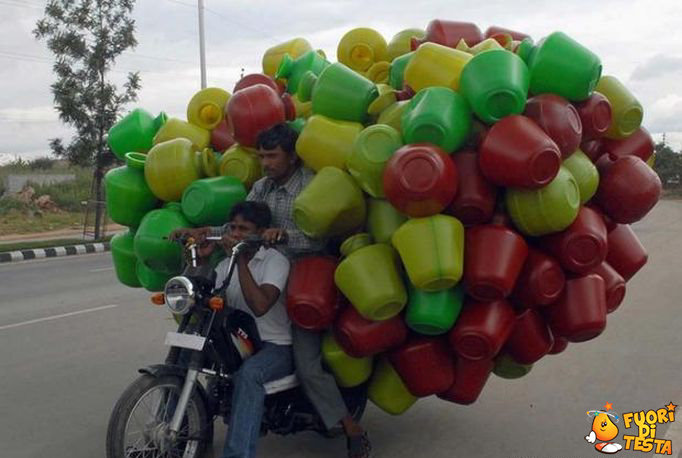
(378,72)
(585,173)
(393,115)
(303,109)
(348,371)
(485,45)
(387,97)
(177,128)
(360,48)
(383,220)
(207,107)
(326,142)
(432,251)
(373,147)
(626,110)
(401,43)
(388,391)
(435,65)
(242,163)
(273,56)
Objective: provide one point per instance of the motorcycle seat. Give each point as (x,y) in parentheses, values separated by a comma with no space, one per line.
(282,384)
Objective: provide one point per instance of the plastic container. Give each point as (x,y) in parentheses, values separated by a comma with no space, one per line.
(241,163)
(370,279)
(207,107)
(626,109)
(546,210)
(318,216)
(638,144)
(339,93)
(127,194)
(360,337)
(426,365)
(152,280)
(432,251)
(360,48)
(614,284)
(482,329)
(208,202)
(470,378)
(383,220)
(326,142)
(489,44)
(559,119)
(493,258)
(435,65)
(540,282)
(401,43)
(134,132)
(221,136)
(348,371)
(593,149)
(474,202)
(312,296)
(152,246)
(626,253)
(379,72)
(508,368)
(257,78)
(449,33)
(580,312)
(387,390)
(518,153)
(595,116)
(433,313)
(439,116)
(292,70)
(123,255)
(494,30)
(420,180)
(495,83)
(560,344)
(531,339)
(396,76)
(373,147)
(274,55)
(628,190)
(585,174)
(175,128)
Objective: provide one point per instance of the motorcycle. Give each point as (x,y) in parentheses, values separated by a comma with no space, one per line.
(170,409)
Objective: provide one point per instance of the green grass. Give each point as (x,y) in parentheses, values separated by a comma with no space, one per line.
(15,246)
(17,221)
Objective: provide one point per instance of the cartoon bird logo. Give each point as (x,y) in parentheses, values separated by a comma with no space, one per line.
(604,429)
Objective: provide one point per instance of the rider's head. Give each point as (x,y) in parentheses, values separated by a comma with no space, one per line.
(277,152)
(248,218)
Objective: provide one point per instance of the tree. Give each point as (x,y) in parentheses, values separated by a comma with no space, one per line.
(668,165)
(86,37)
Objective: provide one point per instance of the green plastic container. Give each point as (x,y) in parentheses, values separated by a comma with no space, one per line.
(370,279)
(546,210)
(396,77)
(127,194)
(393,115)
(383,220)
(348,371)
(123,254)
(373,147)
(134,132)
(319,216)
(432,251)
(208,202)
(495,83)
(176,128)
(626,110)
(437,115)
(297,124)
(388,391)
(152,280)
(507,367)
(562,66)
(293,70)
(241,163)
(433,313)
(152,246)
(585,173)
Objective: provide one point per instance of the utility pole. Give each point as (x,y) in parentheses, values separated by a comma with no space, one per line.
(202,45)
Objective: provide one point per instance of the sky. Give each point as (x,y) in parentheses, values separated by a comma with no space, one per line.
(639,42)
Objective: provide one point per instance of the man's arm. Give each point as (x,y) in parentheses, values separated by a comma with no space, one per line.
(261,298)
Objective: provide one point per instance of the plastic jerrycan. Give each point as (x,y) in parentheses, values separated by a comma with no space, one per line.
(585,173)
(433,313)
(292,70)
(208,202)
(372,149)
(360,48)
(274,55)
(176,128)
(401,43)
(369,278)
(388,391)
(207,107)
(152,246)
(432,251)
(626,110)
(326,142)
(123,254)
(435,65)
(134,132)
(319,216)
(241,163)
(347,370)
(127,193)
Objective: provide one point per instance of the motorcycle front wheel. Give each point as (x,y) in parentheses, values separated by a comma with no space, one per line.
(139,423)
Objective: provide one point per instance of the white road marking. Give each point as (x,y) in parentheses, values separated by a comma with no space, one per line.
(104,269)
(56,317)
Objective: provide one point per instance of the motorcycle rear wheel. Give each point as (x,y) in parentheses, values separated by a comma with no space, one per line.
(140,419)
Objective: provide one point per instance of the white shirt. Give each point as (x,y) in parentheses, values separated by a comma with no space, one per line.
(267,266)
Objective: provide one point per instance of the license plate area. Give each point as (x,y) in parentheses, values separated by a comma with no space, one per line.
(189,341)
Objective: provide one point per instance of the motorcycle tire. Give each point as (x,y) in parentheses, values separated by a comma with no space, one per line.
(197,425)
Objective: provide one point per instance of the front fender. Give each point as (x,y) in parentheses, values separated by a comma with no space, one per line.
(159,370)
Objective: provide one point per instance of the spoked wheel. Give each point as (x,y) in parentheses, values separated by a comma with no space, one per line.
(139,423)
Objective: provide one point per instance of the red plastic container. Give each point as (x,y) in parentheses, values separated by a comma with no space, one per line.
(482,329)
(493,258)
(628,189)
(257,78)
(475,200)
(595,115)
(638,144)
(221,136)
(420,180)
(626,253)
(426,365)
(582,246)
(614,284)
(531,339)
(593,148)
(361,337)
(495,30)
(560,344)
(540,282)
(559,119)
(448,33)
(470,378)
(580,312)
(518,153)
(312,296)
(255,109)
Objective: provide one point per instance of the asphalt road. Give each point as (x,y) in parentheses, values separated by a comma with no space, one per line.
(72,337)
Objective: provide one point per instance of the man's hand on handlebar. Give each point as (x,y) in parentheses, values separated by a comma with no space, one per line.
(199,234)
(274,235)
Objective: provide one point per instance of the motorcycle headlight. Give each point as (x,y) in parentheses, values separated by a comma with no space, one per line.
(180,295)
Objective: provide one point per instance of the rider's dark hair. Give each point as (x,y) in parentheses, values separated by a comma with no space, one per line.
(257,213)
(281,135)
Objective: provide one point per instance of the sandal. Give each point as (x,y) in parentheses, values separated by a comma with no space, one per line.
(358,446)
